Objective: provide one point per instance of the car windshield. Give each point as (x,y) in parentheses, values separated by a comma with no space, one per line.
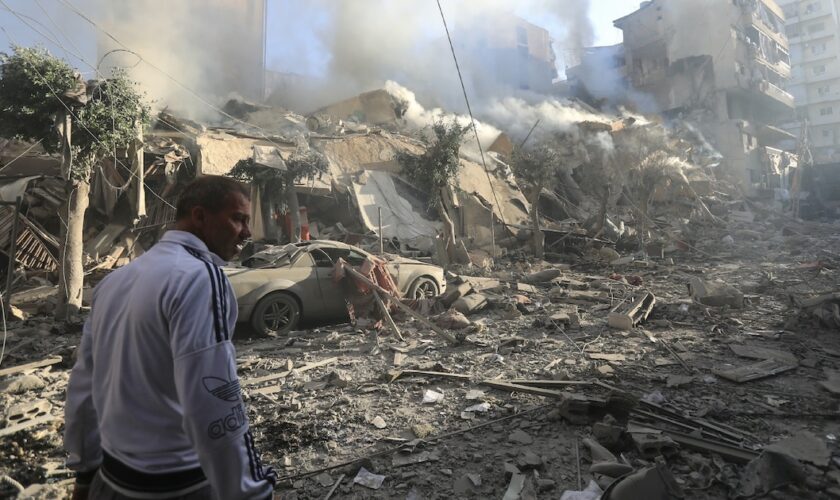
(273,256)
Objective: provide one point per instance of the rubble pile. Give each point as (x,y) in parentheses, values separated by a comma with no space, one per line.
(668,346)
(700,396)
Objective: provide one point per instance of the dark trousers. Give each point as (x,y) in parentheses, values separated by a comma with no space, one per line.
(100,490)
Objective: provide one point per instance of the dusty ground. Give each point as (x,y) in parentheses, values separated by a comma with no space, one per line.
(348,410)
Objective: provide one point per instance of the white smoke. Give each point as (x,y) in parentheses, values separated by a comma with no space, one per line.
(212,47)
(372,41)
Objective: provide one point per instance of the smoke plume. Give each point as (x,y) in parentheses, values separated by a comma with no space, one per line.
(212,47)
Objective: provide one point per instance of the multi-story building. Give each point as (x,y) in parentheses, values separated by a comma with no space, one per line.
(813,27)
(725,61)
(506,52)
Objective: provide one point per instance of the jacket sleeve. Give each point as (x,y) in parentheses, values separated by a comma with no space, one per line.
(201,320)
(81,426)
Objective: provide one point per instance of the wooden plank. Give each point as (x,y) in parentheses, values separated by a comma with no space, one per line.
(547,384)
(405,308)
(424,373)
(275,376)
(30,366)
(387,314)
(26,425)
(507,386)
(632,316)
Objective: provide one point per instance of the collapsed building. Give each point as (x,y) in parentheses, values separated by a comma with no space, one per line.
(725,72)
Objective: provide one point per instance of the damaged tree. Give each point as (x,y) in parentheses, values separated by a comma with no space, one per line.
(433,171)
(536,167)
(43,99)
(305,163)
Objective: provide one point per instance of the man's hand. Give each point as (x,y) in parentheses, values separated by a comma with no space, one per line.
(80,491)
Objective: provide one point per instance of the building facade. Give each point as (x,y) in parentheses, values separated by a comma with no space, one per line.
(726,63)
(813,27)
(506,53)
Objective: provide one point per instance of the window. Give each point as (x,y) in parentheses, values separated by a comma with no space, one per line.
(352,257)
(321,258)
(818,70)
(748,140)
(826,134)
(826,111)
(813,7)
(818,48)
(816,28)
(521,35)
(824,90)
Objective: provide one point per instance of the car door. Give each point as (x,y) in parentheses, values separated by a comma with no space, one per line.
(304,273)
(334,294)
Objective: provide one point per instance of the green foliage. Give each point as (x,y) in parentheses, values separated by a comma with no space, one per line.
(434,169)
(301,165)
(536,166)
(305,164)
(111,116)
(28,106)
(36,88)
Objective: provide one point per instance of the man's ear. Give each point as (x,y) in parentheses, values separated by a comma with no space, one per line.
(199,215)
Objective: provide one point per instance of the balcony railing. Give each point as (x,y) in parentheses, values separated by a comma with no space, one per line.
(776,93)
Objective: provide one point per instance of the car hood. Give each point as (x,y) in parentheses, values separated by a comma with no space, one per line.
(395,259)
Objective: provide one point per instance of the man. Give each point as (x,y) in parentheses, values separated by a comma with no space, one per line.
(153,403)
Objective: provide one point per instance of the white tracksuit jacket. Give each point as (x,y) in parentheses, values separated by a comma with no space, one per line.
(153,401)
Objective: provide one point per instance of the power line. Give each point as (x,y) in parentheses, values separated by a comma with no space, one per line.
(472,119)
(131,172)
(262,132)
(75,117)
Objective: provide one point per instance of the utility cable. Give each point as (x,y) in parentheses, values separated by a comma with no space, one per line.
(261,131)
(16,158)
(472,118)
(81,124)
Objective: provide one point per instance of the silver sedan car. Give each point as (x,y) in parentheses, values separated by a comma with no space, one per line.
(281,286)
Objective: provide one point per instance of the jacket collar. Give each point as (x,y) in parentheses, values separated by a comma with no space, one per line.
(192,241)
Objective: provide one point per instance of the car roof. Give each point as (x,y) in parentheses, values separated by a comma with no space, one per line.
(327,243)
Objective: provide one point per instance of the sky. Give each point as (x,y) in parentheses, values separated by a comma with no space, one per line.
(310,60)
(604,12)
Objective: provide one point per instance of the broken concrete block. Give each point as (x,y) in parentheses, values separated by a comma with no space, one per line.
(422,431)
(652,444)
(454,293)
(470,304)
(520,437)
(452,320)
(633,314)
(379,422)
(543,276)
(528,460)
(805,447)
(24,384)
(24,412)
(608,254)
(715,293)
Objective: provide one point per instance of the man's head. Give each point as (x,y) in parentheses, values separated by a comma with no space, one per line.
(217,210)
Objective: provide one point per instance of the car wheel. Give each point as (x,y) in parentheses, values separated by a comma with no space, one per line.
(276,314)
(423,288)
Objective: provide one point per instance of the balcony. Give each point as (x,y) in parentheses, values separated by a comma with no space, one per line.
(754,19)
(781,68)
(776,93)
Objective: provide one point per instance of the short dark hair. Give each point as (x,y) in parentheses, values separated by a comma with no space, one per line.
(208,191)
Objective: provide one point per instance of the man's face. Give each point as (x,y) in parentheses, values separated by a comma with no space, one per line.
(225,230)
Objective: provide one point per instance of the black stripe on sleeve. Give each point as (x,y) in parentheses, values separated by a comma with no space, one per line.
(223,296)
(213,294)
(250,452)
